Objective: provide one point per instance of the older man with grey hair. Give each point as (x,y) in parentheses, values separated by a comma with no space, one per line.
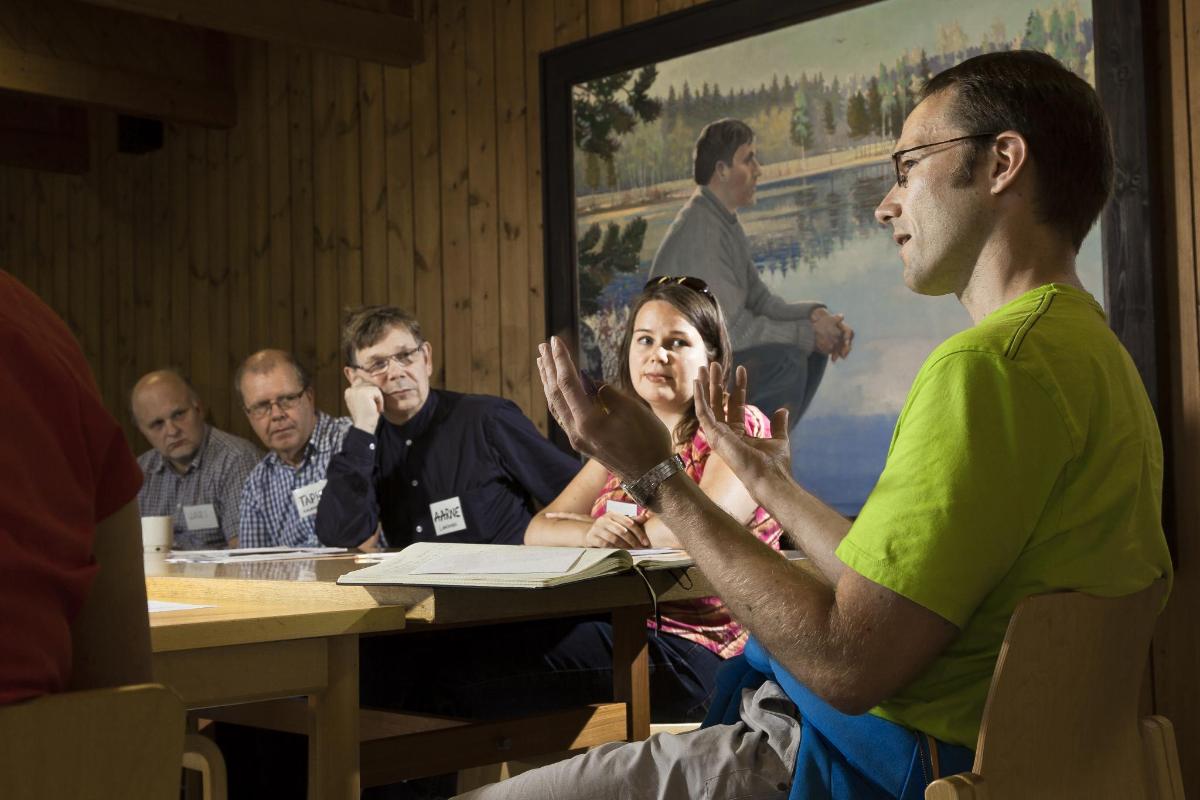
(194,472)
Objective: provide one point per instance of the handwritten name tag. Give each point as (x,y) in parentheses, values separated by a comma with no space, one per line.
(617,507)
(448,516)
(200,518)
(307,498)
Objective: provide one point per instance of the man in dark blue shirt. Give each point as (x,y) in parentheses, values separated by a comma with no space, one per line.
(430,465)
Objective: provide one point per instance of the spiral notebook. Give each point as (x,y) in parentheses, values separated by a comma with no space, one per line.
(506,565)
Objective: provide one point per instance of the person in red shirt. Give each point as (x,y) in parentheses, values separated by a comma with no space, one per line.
(72,593)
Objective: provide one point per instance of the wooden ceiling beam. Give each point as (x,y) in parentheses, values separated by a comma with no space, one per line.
(137,93)
(326,25)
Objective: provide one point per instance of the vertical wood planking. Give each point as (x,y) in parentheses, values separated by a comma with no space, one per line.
(456,254)
(397,143)
(259,148)
(603,15)
(177,158)
(239,234)
(217,220)
(160,260)
(126,318)
(278,327)
(347,190)
(201,327)
(668,6)
(300,149)
(324,221)
(60,246)
(481,216)
(373,183)
(427,214)
(43,240)
(539,36)
(516,338)
(144,299)
(570,21)
(634,11)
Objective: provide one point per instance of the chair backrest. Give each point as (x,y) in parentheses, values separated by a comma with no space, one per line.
(105,743)
(1061,718)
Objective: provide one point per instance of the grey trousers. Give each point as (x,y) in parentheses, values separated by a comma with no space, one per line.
(751,760)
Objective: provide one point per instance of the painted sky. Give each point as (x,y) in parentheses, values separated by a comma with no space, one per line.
(850,42)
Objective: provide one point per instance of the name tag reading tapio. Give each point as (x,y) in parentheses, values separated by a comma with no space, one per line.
(307,498)
(448,516)
(617,507)
(200,518)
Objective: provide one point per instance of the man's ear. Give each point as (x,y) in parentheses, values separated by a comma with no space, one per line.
(1011,153)
(428,348)
(721,171)
(349,373)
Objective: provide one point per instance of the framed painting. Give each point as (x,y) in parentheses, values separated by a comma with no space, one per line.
(825,87)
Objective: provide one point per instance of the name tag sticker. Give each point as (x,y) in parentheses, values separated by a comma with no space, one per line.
(448,516)
(617,507)
(307,498)
(200,518)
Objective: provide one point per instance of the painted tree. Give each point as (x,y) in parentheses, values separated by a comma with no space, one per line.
(802,127)
(856,116)
(603,255)
(608,108)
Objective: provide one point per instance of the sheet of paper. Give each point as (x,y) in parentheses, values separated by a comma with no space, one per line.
(155,606)
(553,561)
(653,551)
(239,555)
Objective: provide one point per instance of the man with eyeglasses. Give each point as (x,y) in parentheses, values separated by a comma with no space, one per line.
(280,499)
(1026,460)
(194,472)
(429,464)
(784,345)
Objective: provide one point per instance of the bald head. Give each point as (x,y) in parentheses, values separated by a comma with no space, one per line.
(169,414)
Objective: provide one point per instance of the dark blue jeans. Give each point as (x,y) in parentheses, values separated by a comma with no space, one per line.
(781,376)
(528,668)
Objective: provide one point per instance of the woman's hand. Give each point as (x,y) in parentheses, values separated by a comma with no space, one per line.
(610,530)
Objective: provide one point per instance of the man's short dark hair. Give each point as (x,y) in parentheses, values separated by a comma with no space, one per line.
(1057,112)
(265,361)
(367,325)
(718,142)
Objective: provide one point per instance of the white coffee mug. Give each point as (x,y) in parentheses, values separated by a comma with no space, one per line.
(158,533)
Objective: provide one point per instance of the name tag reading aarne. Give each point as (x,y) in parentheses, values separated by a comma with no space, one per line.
(200,518)
(307,498)
(448,516)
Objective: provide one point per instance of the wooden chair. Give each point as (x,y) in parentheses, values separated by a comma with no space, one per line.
(105,743)
(1061,719)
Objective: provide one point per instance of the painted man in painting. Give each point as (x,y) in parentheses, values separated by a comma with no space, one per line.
(1027,459)
(784,345)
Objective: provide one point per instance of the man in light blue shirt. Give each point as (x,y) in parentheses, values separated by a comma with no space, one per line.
(279,501)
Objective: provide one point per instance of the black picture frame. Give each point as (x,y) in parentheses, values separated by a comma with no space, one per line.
(1132,287)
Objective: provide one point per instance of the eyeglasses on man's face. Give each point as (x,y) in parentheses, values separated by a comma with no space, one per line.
(691,282)
(286,402)
(379,366)
(903,165)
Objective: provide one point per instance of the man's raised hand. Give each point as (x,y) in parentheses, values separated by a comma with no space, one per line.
(617,430)
(722,416)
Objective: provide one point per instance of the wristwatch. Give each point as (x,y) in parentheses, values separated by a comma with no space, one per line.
(642,490)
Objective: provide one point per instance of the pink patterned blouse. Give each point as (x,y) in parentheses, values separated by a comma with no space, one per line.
(705,620)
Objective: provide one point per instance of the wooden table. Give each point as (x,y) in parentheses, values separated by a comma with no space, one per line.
(284,628)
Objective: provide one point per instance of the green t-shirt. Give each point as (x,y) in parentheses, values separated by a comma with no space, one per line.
(1026,459)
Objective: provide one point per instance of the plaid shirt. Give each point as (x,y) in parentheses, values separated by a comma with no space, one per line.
(214,477)
(269,514)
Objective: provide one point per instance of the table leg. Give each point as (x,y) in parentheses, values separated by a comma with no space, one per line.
(333,769)
(631,669)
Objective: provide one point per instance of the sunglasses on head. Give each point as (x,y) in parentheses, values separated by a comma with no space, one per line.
(695,284)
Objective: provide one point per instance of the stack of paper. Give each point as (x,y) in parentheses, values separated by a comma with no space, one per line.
(241,554)
(501,565)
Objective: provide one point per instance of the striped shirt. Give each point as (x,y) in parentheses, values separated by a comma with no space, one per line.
(214,478)
(271,516)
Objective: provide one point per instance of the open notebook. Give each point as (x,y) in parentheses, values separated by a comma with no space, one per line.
(507,565)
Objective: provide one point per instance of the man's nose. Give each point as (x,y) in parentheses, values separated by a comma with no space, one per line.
(888,208)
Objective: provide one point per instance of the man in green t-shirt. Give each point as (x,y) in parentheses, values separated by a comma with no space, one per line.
(1026,459)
